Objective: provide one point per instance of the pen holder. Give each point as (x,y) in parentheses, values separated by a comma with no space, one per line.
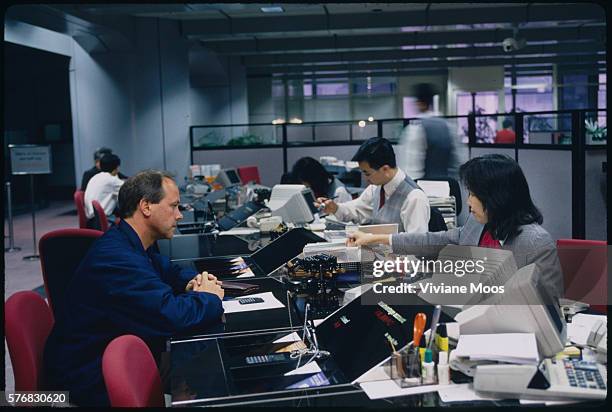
(404,367)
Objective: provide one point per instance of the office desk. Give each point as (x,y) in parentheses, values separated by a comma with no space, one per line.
(207,245)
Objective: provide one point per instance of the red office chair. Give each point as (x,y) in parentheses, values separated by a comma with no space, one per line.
(28,322)
(249,174)
(100,219)
(61,252)
(585,271)
(130,374)
(79,202)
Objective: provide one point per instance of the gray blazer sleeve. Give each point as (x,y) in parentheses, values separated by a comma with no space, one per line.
(429,243)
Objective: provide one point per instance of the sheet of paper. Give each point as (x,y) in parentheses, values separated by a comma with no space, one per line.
(435,188)
(247,274)
(579,328)
(462,392)
(270,302)
(292,337)
(240,231)
(390,389)
(505,347)
(310,367)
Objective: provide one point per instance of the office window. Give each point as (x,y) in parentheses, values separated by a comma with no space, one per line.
(369,86)
(533,93)
(485,103)
(332,89)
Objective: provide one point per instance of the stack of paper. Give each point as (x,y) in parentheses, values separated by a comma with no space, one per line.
(520,348)
(579,328)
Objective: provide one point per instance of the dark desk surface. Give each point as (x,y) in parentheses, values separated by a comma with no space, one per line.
(207,245)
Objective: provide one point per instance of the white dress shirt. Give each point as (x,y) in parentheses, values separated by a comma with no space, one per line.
(104,188)
(412,148)
(414,212)
(342,195)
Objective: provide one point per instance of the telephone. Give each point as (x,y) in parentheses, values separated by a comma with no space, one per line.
(598,340)
(555,379)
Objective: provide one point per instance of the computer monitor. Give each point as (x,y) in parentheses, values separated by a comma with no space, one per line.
(228,177)
(309,197)
(524,307)
(288,202)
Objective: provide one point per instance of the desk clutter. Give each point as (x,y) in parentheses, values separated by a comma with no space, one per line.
(303,322)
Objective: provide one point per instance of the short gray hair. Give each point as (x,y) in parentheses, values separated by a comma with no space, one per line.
(146,185)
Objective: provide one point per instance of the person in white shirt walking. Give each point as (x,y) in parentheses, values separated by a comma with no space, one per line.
(427,148)
(391,197)
(104,187)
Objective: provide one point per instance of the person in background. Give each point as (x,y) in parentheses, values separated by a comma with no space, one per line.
(426,148)
(312,174)
(104,187)
(505,135)
(88,174)
(502,216)
(123,286)
(391,197)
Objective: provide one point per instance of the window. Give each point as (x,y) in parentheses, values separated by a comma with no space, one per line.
(332,89)
(533,94)
(485,102)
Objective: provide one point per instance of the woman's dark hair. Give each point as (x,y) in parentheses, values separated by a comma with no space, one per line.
(312,172)
(109,162)
(144,185)
(500,185)
(377,151)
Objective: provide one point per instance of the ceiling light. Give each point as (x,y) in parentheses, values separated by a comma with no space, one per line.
(361,123)
(370,119)
(295,120)
(272,9)
(278,121)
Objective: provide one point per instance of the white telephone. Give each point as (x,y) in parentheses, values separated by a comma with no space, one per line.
(554,380)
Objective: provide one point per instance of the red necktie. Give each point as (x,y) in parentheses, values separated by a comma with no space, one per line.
(382,197)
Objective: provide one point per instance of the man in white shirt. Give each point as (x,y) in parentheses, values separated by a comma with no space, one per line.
(426,148)
(391,197)
(104,186)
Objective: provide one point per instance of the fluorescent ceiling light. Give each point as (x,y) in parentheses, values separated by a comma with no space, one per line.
(272,9)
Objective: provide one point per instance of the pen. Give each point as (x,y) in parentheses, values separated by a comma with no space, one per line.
(322,205)
(434,325)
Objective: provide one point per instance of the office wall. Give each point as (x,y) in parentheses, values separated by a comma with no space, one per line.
(549,175)
(260,103)
(596,189)
(139,101)
(268,160)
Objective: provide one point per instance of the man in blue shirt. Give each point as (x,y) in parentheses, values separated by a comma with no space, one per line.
(123,286)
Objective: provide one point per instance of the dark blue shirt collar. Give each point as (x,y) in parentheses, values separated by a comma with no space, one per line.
(132,236)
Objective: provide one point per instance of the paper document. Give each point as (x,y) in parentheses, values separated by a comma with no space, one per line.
(579,328)
(240,231)
(518,348)
(269,302)
(292,337)
(463,392)
(390,389)
(434,188)
(310,367)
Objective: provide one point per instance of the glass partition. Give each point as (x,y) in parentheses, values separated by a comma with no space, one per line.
(554,128)
(240,135)
(392,129)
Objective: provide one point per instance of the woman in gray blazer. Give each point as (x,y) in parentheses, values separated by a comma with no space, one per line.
(502,216)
